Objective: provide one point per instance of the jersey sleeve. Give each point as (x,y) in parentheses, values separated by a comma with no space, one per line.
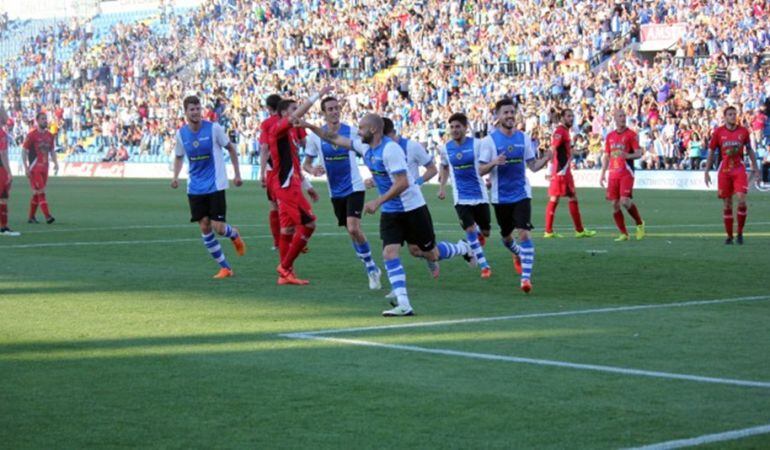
(312,146)
(358,146)
(714,141)
(444,156)
(633,141)
(220,137)
(487,151)
(3,141)
(607,145)
(529,150)
(27,145)
(557,139)
(421,155)
(394,159)
(263,132)
(179,149)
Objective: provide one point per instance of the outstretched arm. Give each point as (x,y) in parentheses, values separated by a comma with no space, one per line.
(328,136)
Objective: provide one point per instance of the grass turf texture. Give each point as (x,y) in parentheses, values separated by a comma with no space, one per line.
(130,343)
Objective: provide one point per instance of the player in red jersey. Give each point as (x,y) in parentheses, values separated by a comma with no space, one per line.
(295,214)
(620,151)
(265,168)
(38,147)
(562,184)
(731,139)
(5,185)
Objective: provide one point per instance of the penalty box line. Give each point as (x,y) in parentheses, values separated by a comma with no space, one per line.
(323,335)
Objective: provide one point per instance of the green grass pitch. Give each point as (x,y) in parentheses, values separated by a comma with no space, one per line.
(113,334)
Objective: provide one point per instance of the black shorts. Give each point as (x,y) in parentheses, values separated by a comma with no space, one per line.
(350,206)
(474,214)
(415,227)
(213,206)
(511,216)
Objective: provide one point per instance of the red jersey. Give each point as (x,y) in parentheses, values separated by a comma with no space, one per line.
(39,144)
(284,141)
(617,146)
(730,144)
(562,151)
(3,145)
(264,130)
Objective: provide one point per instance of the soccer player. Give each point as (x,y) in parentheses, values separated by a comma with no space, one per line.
(5,185)
(416,155)
(295,214)
(459,160)
(562,184)
(346,187)
(38,148)
(265,168)
(731,139)
(202,142)
(405,216)
(505,154)
(620,150)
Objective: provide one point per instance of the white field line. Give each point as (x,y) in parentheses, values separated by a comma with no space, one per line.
(533,316)
(708,438)
(537,362)
(330,224)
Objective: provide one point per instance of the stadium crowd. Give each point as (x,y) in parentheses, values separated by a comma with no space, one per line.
(416,61)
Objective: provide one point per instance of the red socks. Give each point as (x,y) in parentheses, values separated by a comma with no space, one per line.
(742,214)
(574,211)
(550,212)
(635,214)
(620,222)
(43,205)
(284,243)
(275,227)
(298,242)
(728,218)
(3,215)
(33,206)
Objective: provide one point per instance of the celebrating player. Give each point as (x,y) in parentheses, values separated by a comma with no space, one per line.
(346,187)
(295,214)
(416,155)
(202,142)
(620,150)
(505,154)
(405,216)
(459,160)
(731,139)
(562,184)
(38,147)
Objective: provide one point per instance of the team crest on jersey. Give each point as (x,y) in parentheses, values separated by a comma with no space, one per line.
(459,156)
(510,149)
(196,144)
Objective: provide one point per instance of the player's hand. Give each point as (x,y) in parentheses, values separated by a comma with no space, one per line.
(318,171)
(56,169)
(26,172)
(500,160)
(313,195)
(707,178)
(369,183)
(602,181)
(174,183)
(237,181)
(441,194)
(548,154)
(371,207)
(325,90)
(754,175)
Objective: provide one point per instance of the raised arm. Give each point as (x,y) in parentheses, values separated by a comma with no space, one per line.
(328,136)
(305,107)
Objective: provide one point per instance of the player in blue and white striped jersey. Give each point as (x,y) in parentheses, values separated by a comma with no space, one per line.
(505,154)
(405,216)
(460,162)
(416,155)
(346,187)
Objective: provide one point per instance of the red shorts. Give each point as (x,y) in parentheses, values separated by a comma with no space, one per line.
(5,184)
(620,186)
(293,207)
(732,182)
(38,178)
(562,185)
(269,186)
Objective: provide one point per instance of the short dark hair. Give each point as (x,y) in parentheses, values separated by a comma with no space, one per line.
(327,100)
(40,113)
(505,101)
(459,117)
(388,126)
(191,100)
(731,107)
(284,104)
(272,101)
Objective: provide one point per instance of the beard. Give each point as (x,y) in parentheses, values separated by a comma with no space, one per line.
(367,138)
